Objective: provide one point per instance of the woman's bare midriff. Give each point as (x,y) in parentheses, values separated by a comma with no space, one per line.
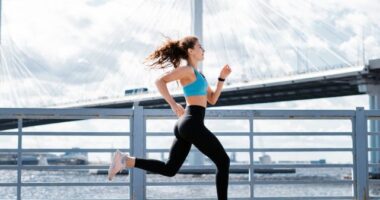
(194,100)
(197,100)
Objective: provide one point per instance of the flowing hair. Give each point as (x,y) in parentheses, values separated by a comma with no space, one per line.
(170,53)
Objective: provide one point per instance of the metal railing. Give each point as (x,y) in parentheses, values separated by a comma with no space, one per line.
(138,134)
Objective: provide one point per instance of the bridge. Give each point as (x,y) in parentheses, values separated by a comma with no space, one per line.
(344,81)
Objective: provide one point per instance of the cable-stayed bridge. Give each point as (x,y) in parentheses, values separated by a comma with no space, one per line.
(344,81)
(331,83)
(262,42)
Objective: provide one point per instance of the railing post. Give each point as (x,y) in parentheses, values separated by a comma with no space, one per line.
(361,154)
(138,150)
(251,157)
(19,157)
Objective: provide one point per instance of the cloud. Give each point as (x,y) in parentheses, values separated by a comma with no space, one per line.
(93,47)
(354,21)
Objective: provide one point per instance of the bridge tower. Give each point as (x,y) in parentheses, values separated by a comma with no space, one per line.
(196,157)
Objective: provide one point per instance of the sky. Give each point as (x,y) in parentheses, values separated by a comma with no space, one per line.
(54,52)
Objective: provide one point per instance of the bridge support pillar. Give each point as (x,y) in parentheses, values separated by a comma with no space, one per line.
(372,88)
(374,104)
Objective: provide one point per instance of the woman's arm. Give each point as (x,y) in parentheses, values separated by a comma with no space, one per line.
(161,82)
(213,96)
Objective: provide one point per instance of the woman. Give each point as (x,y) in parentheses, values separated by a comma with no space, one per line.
(190,128)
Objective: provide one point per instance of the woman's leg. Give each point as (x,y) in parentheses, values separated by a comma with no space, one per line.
(178,153)
(209,145)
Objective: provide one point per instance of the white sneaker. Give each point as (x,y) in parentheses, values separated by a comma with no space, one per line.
(117,165)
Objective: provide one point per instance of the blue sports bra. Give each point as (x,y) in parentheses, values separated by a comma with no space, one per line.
(197,87)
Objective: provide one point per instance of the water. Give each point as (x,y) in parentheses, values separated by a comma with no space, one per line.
(180,192)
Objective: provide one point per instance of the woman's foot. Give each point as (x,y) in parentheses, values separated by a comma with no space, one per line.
(118,164)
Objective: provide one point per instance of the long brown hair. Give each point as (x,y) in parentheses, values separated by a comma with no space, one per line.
(171,52)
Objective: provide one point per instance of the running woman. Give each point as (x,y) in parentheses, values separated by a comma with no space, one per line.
(189,129)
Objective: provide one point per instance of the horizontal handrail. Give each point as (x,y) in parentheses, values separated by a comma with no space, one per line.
(100,150)
(262,133)
(72,133)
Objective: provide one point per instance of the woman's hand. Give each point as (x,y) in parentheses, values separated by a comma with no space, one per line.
(177,109)
(225,71)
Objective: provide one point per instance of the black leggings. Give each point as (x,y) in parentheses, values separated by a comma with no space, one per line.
(190,129)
